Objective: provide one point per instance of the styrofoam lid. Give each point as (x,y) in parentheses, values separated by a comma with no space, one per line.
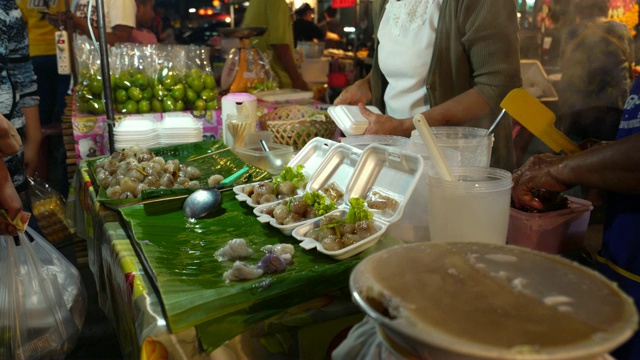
(349,119)
(180,121)
(389,171)
(362,141)
(135,124)
(312,154)
(337,167)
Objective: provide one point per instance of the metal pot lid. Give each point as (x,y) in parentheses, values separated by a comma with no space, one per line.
(493,301)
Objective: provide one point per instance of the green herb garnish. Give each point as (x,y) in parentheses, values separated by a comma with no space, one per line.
(296,176)
(357,211)
(335,224)
(319,203)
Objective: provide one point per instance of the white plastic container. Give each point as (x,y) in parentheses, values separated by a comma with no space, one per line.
(382,169)
(413,226)
(137,130)
(474,208)
(179,128)
(239,103)
(272,161)
(349,119)
(311,156)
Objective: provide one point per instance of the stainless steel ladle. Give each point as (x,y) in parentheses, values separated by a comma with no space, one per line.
(202,202)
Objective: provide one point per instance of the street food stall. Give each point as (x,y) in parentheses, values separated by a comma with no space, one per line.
(183,121)
(202,252)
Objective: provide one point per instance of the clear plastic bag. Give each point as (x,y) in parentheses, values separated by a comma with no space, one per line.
(42,300)
(48,208)
(247,69)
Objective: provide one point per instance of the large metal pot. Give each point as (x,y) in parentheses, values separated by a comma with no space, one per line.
(484,301)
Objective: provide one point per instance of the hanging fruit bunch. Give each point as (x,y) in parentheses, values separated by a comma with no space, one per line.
(89,93)
(132,92)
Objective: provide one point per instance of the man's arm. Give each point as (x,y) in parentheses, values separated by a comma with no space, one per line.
(285,56)
(118,34)
(458,110)
(613,166)
(9,200)
(33,137)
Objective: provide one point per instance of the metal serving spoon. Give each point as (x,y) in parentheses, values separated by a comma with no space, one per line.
(202,202)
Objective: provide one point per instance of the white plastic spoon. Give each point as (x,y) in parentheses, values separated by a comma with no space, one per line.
(432,146)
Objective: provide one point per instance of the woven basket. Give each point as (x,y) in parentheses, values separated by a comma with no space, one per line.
(292,125)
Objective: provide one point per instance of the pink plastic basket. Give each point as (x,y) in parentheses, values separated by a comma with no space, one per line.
(553,232)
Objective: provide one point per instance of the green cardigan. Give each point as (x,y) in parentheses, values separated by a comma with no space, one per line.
(476,46)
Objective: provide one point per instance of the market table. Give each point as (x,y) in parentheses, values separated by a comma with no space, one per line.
(129,297)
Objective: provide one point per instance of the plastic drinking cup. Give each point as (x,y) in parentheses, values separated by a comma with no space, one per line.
(472,145)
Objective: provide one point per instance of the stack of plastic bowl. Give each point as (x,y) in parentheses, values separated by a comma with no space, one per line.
(179,128)
(136,130)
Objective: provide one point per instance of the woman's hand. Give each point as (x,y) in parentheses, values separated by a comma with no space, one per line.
(358,93)
(385,124)
(536,174)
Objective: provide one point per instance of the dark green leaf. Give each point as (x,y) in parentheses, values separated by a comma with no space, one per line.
(180,253)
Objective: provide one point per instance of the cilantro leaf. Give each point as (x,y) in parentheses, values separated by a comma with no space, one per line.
(296,176)
(357,211)
(319,202)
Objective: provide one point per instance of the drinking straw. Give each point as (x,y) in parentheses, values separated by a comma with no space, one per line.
(432,146)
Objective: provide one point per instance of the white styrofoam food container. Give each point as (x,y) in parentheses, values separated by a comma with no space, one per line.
(179,120)
(349,119)
(389,171)
(135,125)
(311,156)
(337,168)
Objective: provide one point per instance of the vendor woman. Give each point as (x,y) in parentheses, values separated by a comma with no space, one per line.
(452,61)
